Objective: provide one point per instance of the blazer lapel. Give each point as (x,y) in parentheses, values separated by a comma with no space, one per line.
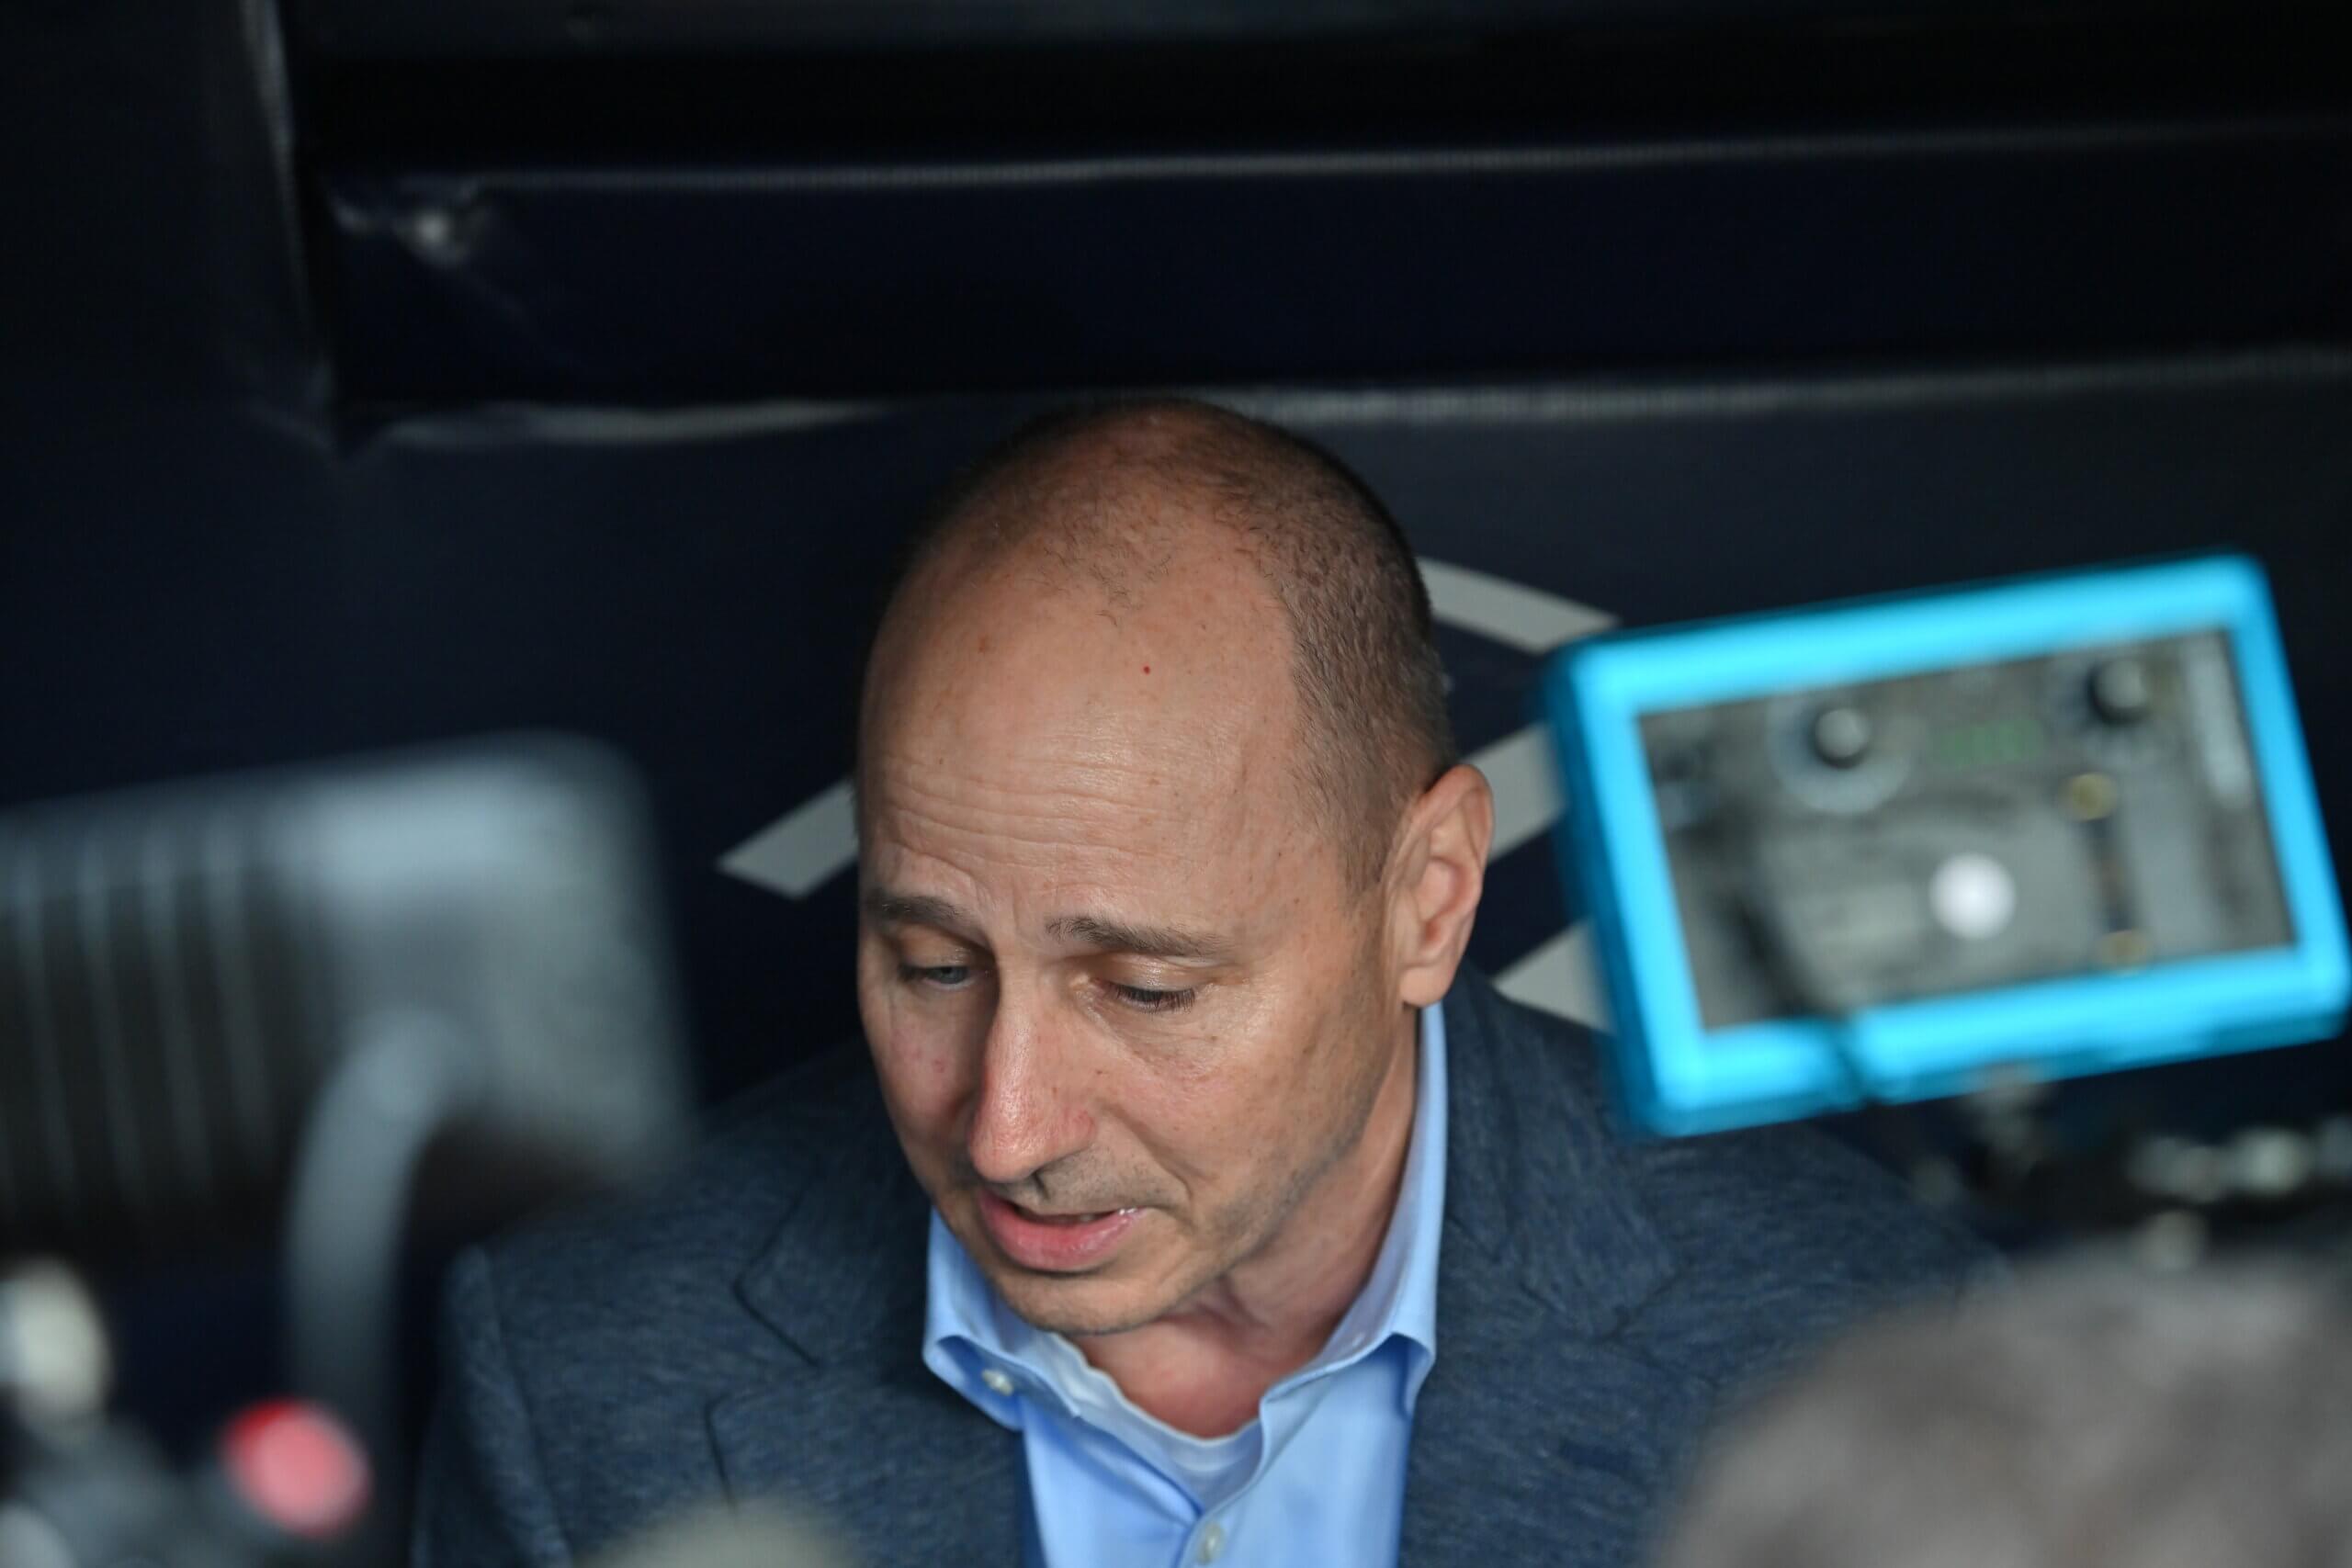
(856,1426)
(1538,1436)
(1542,1451)
(894,1459)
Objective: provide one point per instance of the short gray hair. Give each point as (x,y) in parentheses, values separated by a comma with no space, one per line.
(2094,1418)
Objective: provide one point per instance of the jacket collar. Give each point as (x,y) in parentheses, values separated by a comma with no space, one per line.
(842,1277)
(864,1432)
(1541,1434)
(1537,1187)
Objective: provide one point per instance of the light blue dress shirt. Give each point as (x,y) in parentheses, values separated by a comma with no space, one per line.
(1318,1477)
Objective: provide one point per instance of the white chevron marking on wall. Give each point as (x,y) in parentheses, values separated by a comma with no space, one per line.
(1560,976)
(817,840)
(1527,618)
(802,850)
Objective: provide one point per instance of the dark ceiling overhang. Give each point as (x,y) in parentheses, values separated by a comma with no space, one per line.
(681,201)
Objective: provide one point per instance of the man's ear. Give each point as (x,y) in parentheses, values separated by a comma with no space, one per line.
(1440,866)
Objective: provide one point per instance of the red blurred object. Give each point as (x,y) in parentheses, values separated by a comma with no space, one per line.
(297,1467)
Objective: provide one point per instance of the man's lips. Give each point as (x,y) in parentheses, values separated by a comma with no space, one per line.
(1059,1243)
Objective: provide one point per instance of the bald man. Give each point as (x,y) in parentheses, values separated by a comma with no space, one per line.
(1188,1200)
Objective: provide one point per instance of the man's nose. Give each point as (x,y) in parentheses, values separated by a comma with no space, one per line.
(1028,1112)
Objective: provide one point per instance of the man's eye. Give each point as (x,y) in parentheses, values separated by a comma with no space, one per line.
(940,976)
(1145,999)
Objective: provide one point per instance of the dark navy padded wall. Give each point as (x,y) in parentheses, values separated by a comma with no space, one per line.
(186,593)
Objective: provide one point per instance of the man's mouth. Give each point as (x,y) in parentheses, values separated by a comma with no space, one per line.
(1029,1213)
(1064,1243)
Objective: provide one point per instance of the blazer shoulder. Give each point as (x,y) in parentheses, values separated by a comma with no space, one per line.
(1792,1198)
(661,1261)
(1790,1195)
(1775,1236)
(582,1357)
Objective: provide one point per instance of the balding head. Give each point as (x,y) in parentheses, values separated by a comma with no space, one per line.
(1116,503)
(1160,859)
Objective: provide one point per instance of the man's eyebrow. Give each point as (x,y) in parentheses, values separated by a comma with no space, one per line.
(1144,941)
(890,908)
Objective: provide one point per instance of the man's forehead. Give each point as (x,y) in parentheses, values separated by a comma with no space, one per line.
(1024,716)
(1108,929)
(1100,815)
(1035,830)
(1169,907)
(1193,671)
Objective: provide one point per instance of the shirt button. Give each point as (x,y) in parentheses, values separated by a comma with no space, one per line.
(1212,1542)
(999,1383)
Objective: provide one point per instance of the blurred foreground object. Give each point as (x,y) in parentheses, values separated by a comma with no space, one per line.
(302,984)
(191,976)
(1947,842)
(2094,1417)
(734,1537)
(287,1484)
(56,1368)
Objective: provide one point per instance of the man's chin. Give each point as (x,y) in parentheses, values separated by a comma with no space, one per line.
(1074,1306)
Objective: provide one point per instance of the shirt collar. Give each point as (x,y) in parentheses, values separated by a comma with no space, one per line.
(962,1312)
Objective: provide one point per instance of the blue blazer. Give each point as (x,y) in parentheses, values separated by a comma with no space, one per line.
(754,1327)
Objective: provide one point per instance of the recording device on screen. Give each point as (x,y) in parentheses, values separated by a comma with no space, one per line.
(273,997)
(1910,847)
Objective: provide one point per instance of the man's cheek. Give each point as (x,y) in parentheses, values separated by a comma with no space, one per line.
(917,1073)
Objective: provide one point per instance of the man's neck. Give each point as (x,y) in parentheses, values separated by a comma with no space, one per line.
(1204,1368)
